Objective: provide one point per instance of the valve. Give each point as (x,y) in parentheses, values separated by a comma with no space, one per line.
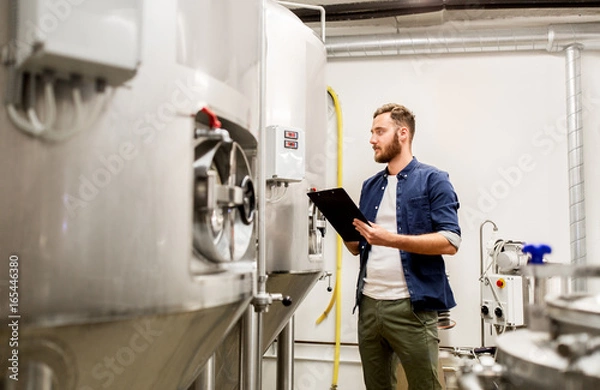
(262,302)
(537,252)
(212,126)
(285,300)
(213,120)
(327,274)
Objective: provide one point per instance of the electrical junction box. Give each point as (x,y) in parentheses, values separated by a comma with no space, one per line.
(98,39)
(286,154)
(502,301)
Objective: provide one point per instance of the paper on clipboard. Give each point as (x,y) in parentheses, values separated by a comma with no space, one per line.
(340,210)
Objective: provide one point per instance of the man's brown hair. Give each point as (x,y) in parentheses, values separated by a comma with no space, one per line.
(401,115)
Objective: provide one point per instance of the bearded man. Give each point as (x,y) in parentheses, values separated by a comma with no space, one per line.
(402,284)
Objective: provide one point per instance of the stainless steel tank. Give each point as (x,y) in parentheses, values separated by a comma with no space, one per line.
(566,357)
(560,349)
(134,238)
(297,98)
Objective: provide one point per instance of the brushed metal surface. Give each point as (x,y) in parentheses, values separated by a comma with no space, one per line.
(532,362)
(102,221)
(294,285)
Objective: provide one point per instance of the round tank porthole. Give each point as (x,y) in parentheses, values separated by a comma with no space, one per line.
(224,201)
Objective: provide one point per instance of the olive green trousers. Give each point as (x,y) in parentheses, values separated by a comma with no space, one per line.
(388,327)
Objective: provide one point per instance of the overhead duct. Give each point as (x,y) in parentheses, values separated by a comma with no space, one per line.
(576,172)
(571,38)
(372,9)
(452,40)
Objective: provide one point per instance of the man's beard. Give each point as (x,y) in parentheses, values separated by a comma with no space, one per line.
(390,151)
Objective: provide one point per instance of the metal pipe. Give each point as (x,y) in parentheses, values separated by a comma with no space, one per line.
(481,268)
(261,279)
(285,357)
(39,377)
(453,40)
(206,379)
(13,80)
(258,337)
(247,353)
(313,7)
(575,153)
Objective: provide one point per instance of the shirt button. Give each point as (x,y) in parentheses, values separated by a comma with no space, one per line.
(376,207)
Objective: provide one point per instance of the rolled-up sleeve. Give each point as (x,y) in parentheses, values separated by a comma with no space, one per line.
(444,205)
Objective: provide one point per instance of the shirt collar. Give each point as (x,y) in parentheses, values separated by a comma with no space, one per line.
(404,172)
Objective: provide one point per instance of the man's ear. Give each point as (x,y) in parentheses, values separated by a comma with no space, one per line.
(403,133)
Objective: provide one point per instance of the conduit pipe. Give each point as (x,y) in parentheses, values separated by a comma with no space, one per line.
(575,150)
(452,40)
(285,357)
(312,7)
(572,38)
(261,298)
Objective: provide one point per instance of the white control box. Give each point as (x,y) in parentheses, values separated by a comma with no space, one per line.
(91,38)
(502,301)
(286,154)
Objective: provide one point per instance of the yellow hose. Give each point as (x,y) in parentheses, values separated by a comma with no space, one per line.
(337,291)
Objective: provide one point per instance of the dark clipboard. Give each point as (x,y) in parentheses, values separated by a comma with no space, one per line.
(340,210)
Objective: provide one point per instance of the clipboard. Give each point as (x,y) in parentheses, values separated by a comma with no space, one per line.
(340,210)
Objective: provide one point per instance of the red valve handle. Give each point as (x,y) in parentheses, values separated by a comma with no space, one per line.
(214,121)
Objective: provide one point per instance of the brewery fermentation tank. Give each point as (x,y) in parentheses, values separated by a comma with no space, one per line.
(296,116)
(133,237)
(296,98)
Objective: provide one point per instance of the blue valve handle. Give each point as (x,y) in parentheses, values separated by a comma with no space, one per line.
(537,252)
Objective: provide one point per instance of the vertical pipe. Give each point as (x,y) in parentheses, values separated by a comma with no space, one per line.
(12,81)
(481,270)
(261,192)
(258,351)
(247,360)
(575,155)
(39,377)
(285,357)
(206,379)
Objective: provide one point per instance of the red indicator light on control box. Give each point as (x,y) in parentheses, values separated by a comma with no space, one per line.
(290,144)
(290,134)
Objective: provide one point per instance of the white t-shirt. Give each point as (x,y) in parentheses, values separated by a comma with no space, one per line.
(385,277)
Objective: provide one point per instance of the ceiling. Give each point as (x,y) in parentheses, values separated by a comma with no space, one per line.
(354,17)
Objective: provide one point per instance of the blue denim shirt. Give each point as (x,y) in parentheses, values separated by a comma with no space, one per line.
(426,203)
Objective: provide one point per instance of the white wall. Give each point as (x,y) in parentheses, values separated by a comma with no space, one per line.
(496,123)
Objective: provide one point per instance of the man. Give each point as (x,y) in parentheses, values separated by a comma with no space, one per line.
(402,282)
